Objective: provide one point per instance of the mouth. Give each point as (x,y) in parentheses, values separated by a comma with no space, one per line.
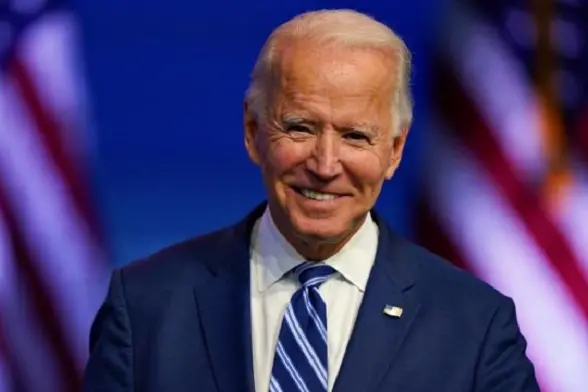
(316,195)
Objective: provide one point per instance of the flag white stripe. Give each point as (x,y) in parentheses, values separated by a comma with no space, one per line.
(24,336)
(498,85)
(498,249)
(66,254)
(47,51)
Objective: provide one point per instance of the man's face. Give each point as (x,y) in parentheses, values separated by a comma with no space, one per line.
(326,143)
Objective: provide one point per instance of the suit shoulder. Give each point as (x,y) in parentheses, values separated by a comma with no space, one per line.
(185,261)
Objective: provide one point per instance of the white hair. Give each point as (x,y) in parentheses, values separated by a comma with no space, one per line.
(347,28)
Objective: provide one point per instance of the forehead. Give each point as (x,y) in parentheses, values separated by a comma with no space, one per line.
(335,72)
(338,84)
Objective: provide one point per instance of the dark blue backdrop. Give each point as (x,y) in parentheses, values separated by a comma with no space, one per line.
(167,82)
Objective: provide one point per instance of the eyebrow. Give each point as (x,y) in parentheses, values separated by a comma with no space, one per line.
(297,119)
(364,127)
(294,119)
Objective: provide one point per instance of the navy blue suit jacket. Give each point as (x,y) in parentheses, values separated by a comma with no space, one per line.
(179,321)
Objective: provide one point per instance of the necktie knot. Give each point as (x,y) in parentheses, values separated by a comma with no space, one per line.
(313,274)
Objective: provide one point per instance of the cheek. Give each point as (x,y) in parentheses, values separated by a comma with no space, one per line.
(368,171)
(285,155)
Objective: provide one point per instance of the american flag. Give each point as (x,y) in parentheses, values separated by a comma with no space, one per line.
(506,179)
(51,271)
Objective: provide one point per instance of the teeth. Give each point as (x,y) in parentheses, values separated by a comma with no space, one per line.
(317,195)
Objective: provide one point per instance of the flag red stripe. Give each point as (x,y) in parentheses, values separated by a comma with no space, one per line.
(48,131)
(40,301)
(463,118)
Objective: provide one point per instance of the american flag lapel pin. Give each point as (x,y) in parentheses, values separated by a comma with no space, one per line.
(393,311)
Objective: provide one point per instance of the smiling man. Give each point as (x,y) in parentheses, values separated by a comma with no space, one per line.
(311,292)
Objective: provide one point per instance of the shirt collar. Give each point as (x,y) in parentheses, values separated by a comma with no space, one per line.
(274,256)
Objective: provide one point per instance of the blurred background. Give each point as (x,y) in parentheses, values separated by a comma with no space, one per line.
(120,133)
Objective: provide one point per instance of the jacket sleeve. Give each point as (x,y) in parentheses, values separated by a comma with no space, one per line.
(503,364)
(110,366)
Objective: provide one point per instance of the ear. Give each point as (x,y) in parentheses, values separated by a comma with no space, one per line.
(251,126)
(397,149)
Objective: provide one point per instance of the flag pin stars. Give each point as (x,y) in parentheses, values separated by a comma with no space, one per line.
(393,311)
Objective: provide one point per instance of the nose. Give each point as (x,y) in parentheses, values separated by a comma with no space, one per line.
(325,162)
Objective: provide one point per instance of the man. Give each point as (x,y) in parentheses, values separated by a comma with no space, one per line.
(311,292)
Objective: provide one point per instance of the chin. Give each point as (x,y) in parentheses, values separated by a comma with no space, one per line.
(327,230)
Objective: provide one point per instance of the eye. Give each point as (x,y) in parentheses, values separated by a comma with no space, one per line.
(298,128)
(356,136)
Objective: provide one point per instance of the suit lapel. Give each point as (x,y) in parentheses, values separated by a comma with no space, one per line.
(377,337)
(224,309)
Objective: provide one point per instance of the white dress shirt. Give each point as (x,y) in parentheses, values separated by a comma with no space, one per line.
(272,288)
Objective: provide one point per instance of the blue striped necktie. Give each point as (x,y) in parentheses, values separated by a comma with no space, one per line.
(301,361)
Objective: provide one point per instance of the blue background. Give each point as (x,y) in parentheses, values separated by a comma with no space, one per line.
(167,81)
